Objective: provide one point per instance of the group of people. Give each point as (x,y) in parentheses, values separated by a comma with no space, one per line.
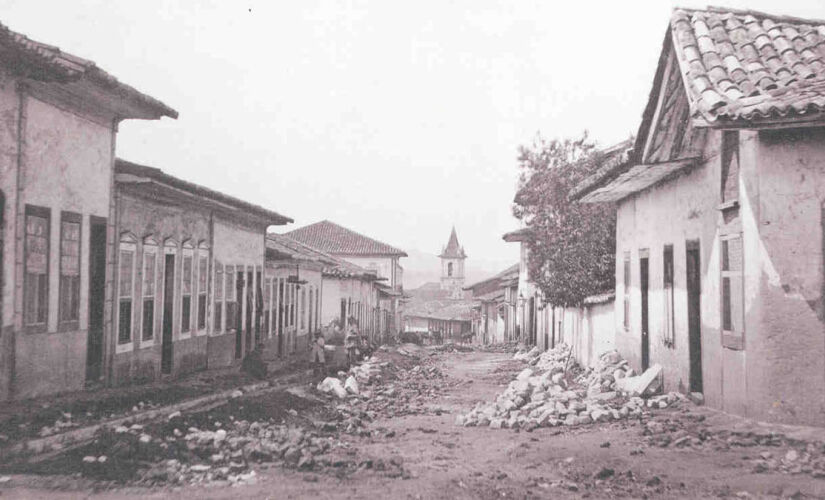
(357,347)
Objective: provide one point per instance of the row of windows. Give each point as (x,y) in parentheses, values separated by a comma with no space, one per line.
(732,292)
(193,282)
(36,281)
(292,304)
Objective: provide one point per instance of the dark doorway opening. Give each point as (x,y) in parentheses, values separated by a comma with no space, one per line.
(280,318)
(694,296)
(168,311)
(97,298)
(259,307)
(239,316)
(250,291)
(644,280)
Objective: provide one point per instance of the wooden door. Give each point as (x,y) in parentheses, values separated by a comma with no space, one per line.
(239,298)
(166,352)
(644,282)
(694,296)
(97,298)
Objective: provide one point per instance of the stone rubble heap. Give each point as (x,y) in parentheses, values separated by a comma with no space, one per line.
(555,391)
(195,455)
(379,387)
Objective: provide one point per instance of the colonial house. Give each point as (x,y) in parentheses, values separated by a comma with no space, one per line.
(293,304)
(189,276)
(494,312)
(719,253)
(57,151)
(328,291)
(367,253)
(531,315)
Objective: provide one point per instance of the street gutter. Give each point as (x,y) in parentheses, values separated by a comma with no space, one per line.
(39,449)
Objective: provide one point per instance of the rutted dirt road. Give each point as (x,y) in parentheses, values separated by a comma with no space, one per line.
(425,455)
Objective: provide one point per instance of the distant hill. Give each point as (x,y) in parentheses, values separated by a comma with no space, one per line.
(422,267)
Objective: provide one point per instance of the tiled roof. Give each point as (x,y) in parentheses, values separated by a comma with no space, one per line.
(338,240)
(496,281)
(47,63)
(332,265)
(457,310)
(605,164)
(746,65)
(453,250)
(127,172)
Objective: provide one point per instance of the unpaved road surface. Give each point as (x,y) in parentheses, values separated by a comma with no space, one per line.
(442,460)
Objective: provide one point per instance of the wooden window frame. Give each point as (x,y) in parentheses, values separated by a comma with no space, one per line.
(202,257)
(44,213)
(302,308)
(126,243)
(267,301)
(218,299)
(230,298)
(150,247)
(732,339)
(70,324)
(188,252)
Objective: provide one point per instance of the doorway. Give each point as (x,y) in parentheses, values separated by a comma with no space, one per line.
(249,303)
(239,316)
(97,298)
(644,281)
(694,296)
(259,305)
(166,352)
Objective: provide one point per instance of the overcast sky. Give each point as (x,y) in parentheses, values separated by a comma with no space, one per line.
(397,119)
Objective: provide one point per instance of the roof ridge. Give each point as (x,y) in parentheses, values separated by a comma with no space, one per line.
(318,226)
(751,12)
(137,169)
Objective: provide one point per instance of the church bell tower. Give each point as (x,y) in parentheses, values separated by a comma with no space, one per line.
(452,267)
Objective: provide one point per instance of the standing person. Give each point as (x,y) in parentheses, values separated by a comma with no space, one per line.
(351,342)
(318,358)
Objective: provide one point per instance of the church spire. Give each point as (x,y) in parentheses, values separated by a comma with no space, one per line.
(453,250)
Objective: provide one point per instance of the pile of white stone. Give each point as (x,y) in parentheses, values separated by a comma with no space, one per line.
(549,395)
(349,384)
(602,378)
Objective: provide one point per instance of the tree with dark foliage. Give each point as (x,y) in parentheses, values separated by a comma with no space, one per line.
(572,245)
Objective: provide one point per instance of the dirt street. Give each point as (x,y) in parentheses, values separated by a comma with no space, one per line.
(412,448)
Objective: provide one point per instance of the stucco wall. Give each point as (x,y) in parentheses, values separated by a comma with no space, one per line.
(383,264)
(68,160)
(243,247)
(8,179)
(673,213)
(786,354)
(136,360)
(780,373)
(589,331)
(294,336)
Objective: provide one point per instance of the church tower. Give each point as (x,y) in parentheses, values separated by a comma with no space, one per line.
(452,267)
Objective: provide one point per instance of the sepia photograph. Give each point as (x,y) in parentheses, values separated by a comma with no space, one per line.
(384,249)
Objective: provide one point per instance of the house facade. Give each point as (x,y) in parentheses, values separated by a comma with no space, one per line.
(719,252)
(189,284)
(374,256)
(61,116)
(328,291)
(294,295)
(494,313)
